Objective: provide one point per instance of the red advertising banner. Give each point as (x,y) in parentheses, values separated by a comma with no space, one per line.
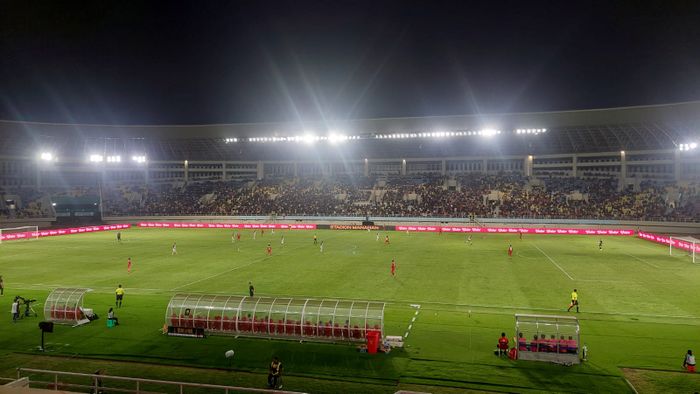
(228,225)
(62,231)
(666,240)
(515,230)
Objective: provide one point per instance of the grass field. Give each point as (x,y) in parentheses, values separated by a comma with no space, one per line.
(639,307)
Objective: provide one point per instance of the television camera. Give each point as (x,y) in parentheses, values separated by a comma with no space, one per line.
(28,309)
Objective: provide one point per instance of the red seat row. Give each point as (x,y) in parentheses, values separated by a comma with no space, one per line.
(271,327)
(61,313)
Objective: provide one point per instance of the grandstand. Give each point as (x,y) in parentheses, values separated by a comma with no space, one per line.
(622,163)
(455,194)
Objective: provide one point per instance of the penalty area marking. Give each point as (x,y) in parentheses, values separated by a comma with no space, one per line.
(552,261)
(413,320)
(643,261)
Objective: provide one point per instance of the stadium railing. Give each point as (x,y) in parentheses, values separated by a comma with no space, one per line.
(99,383)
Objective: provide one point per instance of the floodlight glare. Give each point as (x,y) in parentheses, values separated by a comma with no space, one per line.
(335,138)
(96,158)
(46,156)
(309,138)
(688,146)
(489,132)
(139,159)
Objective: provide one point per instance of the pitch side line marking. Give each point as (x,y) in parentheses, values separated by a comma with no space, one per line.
(413,320)
(643,261)
(392,302)
(553,262)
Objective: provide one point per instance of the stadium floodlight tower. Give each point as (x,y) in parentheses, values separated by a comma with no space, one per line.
(19,233)
(548,338)
(689,244)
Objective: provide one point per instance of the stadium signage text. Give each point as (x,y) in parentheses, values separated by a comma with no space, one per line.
(515,230)
(228,225)
(354,227)
(662,239)
(63,231)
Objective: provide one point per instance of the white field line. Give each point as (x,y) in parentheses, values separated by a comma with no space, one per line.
(643,261)
(413,320)
(553,262)
(631,386)
(392,302)
(605,281)
(237,268)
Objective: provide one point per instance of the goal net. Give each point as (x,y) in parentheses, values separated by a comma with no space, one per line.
(684,245)
(19,233)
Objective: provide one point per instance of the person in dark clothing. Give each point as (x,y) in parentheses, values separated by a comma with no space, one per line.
(274,377)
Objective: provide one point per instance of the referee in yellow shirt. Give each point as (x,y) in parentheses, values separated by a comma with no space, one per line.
(574,301)
(120,295)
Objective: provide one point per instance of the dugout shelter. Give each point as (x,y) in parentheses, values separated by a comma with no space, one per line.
(64,305)
(548,338)
(276,317)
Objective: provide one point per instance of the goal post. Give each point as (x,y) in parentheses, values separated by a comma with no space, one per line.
(689,246)
(19,233)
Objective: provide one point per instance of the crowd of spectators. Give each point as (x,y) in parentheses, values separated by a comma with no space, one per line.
(498,196)
(505,195)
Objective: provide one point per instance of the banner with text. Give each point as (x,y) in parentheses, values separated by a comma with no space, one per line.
(515,230)
(62,231)
(666,240)
(244,226)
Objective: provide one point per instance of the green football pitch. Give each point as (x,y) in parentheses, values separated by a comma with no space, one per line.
(640,310)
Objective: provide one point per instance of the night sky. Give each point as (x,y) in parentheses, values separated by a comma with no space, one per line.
(259,61)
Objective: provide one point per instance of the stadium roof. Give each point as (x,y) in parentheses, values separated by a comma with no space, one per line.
(627,128)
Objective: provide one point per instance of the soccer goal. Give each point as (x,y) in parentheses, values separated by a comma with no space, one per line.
(19,233)
(687,245)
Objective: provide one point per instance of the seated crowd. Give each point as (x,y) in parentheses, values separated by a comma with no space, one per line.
(486,196)
(505,196)
(540,343)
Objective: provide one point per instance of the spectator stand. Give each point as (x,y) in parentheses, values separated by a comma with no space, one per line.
(558,338)
(64,305)
(325,320)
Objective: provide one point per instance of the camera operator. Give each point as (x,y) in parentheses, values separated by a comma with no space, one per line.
(27,306)
(15,310)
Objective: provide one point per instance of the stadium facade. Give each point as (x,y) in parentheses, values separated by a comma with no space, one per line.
(631,144)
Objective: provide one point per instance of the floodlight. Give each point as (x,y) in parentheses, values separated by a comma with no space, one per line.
(309,138)
(489,132)
(335,138)
(688,146)
(96,158)
(114,159)
(46,156)
(139,159)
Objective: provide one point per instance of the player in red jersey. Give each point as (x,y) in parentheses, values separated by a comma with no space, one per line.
(510,250)
(128,265)
(238,236)
(393,267)
(386,240)
(269,249)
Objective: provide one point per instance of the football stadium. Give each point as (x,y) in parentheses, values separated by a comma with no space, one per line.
(349,196)
(377,256)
